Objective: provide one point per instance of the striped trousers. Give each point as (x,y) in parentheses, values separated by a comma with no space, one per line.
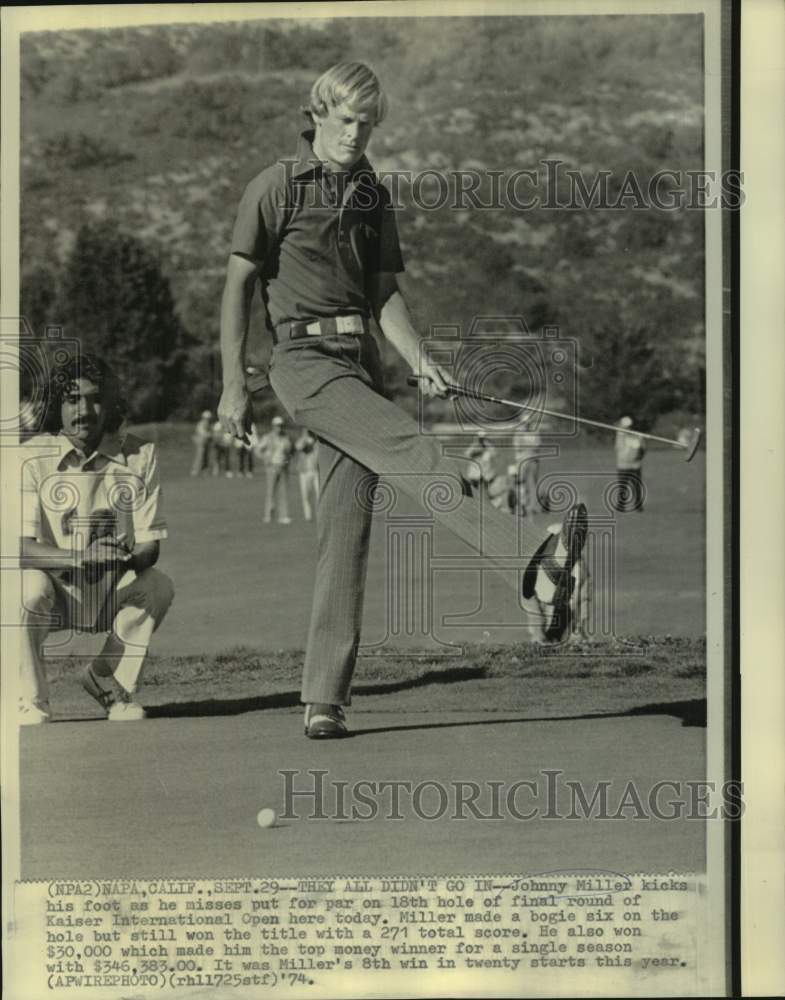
(331,386)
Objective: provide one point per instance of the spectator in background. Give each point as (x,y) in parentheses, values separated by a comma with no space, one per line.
(685,436)
(496,482)
(222,451)
(202,439)
(526,445)
(307,450)
(480,454)
(486,474)
(275,449)
(517,494)
(245,453)
(630,450)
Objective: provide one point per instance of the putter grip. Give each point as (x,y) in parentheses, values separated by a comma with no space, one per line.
(452,390)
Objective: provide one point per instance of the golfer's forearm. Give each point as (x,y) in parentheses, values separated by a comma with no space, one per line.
(396,324)
(234,330)
(235,316)
(41,555)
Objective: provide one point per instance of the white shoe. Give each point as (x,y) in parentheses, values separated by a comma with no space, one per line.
(31,715)
(284,520)
(549,576)
(126,711)
(112,697)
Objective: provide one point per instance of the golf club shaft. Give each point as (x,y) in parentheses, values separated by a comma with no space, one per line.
(485,398)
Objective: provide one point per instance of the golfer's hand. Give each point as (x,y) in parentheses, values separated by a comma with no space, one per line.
(233,411)
(434,380)
(105,551)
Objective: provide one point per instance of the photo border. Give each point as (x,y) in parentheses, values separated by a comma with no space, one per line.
(726,610)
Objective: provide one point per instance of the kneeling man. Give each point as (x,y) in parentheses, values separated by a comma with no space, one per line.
(92,522)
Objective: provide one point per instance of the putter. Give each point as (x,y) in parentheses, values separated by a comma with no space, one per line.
(690,445)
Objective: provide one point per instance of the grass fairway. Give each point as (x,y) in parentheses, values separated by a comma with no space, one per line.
(658,675)
(469,698)
(242,583)
(234,637)
(179,793)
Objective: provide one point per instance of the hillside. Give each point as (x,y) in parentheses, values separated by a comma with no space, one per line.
(154,132)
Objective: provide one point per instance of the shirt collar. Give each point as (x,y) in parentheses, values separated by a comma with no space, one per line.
(111,446)
(308,163)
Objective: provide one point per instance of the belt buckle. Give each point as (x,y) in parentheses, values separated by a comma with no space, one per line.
(343,325)
(348,324)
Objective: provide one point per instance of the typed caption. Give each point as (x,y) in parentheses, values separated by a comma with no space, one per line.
(334,935)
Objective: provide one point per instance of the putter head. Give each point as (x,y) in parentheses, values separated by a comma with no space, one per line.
(692,444)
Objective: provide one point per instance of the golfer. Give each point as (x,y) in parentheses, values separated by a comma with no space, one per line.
(319,235)
(222,451)
(92,524)
(202,439)
(275,449)
(630,450)
(528,447)
(307,449)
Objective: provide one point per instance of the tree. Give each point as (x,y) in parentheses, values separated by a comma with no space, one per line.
(38,298)
(116,302)
(637,358)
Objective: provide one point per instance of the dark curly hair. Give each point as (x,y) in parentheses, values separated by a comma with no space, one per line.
(63,376)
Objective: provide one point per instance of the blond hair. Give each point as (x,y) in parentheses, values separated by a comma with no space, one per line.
(353,83)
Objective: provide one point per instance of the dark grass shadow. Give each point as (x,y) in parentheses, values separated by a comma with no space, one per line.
(691,713)
(291,699)
(214,706)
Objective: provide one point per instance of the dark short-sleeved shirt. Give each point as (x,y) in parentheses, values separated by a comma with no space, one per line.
(317,238)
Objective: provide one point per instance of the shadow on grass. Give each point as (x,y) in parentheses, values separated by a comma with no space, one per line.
(691,712)
(291,699)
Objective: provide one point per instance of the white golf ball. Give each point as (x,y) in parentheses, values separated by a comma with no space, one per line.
(266,817)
